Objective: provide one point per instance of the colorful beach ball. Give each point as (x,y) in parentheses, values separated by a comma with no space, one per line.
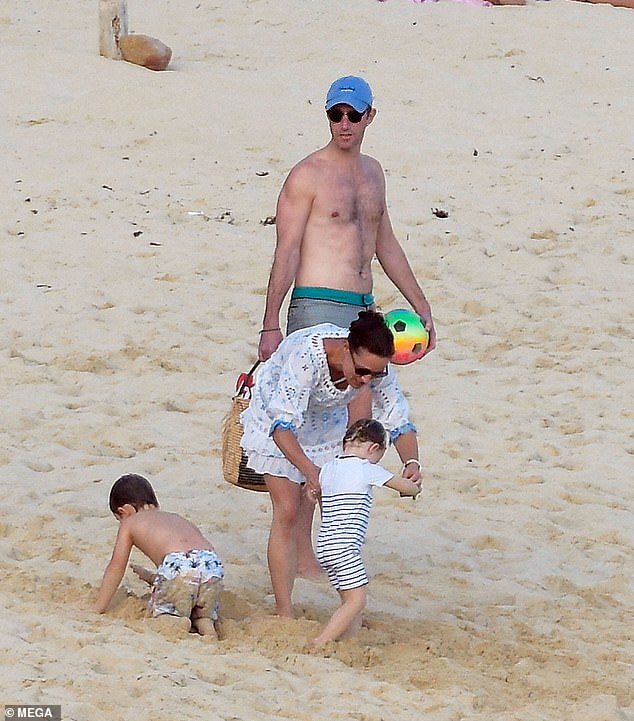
(410,335)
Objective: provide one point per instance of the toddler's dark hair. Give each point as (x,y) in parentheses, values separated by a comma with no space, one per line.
(370,331)
(366,429)
(132,489)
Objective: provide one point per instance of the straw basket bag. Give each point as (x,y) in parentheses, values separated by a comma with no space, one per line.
(234,460)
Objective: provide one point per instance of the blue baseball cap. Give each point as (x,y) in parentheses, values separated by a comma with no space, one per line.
(350,90)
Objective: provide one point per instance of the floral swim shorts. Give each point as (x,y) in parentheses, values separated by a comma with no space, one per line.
(185,581)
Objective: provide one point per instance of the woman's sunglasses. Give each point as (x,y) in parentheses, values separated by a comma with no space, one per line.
(335,115)
(365,372)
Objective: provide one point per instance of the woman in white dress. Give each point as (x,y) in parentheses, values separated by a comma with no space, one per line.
(296,419)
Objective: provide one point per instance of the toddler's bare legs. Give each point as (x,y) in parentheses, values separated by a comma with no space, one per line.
(345,622)
(202,623)
(171,625)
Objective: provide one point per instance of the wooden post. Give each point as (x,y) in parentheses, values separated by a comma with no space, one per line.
(113,24)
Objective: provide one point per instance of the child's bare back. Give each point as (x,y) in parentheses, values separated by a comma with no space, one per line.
(157,533)
(187,583)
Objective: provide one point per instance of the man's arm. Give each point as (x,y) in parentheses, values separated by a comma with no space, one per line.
(115,569)
(293,210)
(394,262)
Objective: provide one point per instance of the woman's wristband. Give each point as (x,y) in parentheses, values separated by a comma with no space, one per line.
(413,460)
(267,330)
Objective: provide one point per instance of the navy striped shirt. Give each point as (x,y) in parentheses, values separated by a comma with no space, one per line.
(346,497)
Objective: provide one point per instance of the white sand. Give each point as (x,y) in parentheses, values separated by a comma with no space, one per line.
(134,263)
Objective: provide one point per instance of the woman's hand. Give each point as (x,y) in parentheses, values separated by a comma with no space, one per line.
(412,470)
(312,487)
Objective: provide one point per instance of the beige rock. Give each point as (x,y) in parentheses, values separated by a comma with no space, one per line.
(145,50)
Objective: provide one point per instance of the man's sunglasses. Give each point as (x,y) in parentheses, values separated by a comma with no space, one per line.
(335,115)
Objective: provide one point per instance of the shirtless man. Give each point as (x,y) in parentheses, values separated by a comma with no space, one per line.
(331,220)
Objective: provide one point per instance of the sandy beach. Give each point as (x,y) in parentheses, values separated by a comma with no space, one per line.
(137,241)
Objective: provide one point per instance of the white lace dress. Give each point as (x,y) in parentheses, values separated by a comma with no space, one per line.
(293,390)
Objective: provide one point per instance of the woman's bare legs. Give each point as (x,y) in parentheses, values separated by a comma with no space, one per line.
(307,564)
(282,546)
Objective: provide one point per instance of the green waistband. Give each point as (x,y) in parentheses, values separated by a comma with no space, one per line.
(336,296)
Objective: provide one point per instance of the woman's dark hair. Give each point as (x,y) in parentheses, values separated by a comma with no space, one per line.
(132,489)
(371,333)
(366,429)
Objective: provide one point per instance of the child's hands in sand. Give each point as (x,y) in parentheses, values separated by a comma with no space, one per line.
(143,573)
